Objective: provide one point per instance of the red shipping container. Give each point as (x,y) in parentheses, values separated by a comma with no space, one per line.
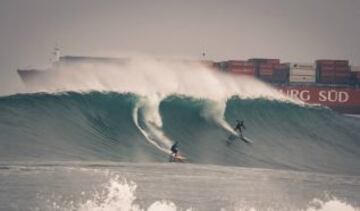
(342,62)
(325,62)
(273,61)
(246,71)
(327,68)
(241,65)
(327,72)
(342,69)
(243,73)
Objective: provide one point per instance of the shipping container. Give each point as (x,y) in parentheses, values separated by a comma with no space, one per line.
(240,63)
(342,63)
(281,72)
(357,78)
(266,71)
(264,61)
(343,74)
(327,68)
(309,72)
(342,69)
(245,71)
(274,79)
(326,80)
(301,66)
(281,66)
(332,62)
(325,62)
(266,66)
(355,68)
(302,78)
(334,80)
(327,73)
(345,80)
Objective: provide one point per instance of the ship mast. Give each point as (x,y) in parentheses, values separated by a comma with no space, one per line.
(55,55)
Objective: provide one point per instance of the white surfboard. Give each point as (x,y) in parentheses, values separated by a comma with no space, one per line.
(233,137)
(177,158)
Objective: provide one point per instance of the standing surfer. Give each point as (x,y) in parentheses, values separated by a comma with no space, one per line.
(174,152)
(239,126)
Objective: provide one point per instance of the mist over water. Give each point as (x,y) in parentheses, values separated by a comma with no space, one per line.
(151,77)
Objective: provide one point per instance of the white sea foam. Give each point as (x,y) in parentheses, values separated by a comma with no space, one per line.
(120,195)
(153,77)
(333,204)
(153,131)
(117,195)
(330,205)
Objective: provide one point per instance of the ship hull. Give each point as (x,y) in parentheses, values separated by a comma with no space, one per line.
(340,99)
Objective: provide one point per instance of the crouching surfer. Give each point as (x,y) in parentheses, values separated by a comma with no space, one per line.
(175,155)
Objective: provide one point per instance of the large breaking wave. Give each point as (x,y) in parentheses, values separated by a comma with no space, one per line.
(112,126)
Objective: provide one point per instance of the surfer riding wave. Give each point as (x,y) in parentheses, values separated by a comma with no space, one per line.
(239,126)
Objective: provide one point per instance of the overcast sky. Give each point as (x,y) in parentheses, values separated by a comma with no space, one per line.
(293,30)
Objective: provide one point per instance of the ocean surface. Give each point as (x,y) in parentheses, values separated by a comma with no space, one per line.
(82,148)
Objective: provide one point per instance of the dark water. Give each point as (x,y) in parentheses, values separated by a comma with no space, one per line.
(51,145)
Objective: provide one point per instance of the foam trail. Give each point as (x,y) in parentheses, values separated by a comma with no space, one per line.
(153,120)
(153,124)
(214,111)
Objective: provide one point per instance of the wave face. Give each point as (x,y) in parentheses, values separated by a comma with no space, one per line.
(127,127)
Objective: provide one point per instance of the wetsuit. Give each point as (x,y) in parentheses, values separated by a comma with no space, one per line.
(174,148)
(239,127)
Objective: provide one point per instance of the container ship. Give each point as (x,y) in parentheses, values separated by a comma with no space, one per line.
(328,82)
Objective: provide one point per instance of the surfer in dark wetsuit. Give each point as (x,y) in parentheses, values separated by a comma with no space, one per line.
(239,126)
(174,151)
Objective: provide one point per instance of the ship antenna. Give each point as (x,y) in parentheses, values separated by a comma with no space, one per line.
(203,55)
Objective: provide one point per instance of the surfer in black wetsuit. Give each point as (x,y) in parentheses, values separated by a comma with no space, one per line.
(174,151)
(239,126)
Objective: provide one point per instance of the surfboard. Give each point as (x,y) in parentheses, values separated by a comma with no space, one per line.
(180,158)
(177,158)
(246,140)
(233,137)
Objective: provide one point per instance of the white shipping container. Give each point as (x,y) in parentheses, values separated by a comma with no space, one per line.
(355,68)
(302,78)
(302,66)
(309,72)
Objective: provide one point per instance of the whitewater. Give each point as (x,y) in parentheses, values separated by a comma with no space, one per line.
(96,136)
